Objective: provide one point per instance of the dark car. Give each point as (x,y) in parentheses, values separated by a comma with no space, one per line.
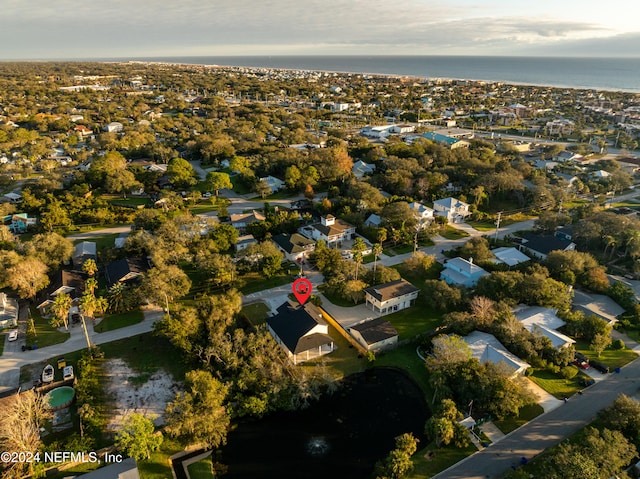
(581,358)
(75,318)
(603,368)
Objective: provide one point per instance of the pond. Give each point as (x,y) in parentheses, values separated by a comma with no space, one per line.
(341,436)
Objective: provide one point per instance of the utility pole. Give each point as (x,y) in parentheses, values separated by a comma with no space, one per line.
(498,225)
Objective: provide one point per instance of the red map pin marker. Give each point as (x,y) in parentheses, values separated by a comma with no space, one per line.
(302,289)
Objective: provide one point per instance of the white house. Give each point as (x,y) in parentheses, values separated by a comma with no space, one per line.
(451,208)
(560,127)
(376,131)
(544,321)
(402,129)
(422,213)
(330,229)
(244,242)
(360,169)
(8,312)
(375,334)
(485,347)
(460,272)
(301,332)
(390,297)
(113,127)
(274,183)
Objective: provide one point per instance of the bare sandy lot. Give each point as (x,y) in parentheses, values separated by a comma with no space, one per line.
(130,393)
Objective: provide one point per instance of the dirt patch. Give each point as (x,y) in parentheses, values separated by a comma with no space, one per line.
(142,393)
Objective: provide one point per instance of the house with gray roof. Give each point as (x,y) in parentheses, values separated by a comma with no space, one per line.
(545,322)
(541,245)
(295,246)
(125,469)
(375,334)
(82,252)
(509,256)
(485,347)
(390,297)
(462,272)
(451,208)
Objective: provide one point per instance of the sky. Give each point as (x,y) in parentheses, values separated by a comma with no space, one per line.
(72,29)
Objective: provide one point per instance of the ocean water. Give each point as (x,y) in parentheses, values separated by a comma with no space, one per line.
(616,74)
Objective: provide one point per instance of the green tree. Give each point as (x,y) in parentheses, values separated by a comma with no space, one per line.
(90,267)
(60,310)
(198,414)
(28,277)
(138,437)
(165,283)
(398,463)
(217,181)
(181,173)
(376,249)
(599,343)
(51,248)
(357,249)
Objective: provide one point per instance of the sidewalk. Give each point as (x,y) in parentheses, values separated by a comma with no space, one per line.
(12,361)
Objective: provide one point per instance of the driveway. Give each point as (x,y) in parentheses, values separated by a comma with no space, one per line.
(548,429)
(12,360)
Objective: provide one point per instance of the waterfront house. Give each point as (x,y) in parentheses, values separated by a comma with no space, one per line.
(301,332)
(375,334)
(390,297)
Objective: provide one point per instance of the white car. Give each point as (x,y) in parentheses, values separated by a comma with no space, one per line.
(13,335)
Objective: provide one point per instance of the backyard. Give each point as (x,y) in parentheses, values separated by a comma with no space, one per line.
(255,313)
(418,319)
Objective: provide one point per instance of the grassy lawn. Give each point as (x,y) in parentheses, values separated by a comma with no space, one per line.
(439,460)
(388,252)
(415,320)
(102,242)
(404,357)
(158,466)
(451,233)
(342,362)
(3,338)
(418,279)
(118,321)
(527,413)
(482,225)
(256,313)
(611,357)
(338,300)
(46,335)
(130,202)
(254,282)
(202,469)
(556,385)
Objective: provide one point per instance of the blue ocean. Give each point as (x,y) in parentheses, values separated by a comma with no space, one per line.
(617,74)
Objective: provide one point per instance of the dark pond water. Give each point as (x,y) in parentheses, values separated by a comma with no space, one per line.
(341,436)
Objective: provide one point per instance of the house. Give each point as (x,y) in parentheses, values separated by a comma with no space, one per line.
(541,245)
(545,322)
(375,334)
(451,208)
(360,169)
(67,282)
(448,141)
(8,312)
(12,197)
(560,127)
(241,220)
(422,213)
(402,129)
(597,305)
(18,222)
(332,230)
(460,272)
(564,232)
(295,246)
(485,347)
(244,242)
(82,252)
(376,131)
(274,183)
(125,270)
(509,256)
(390,297)
(125,469)
(113,127)
(83,131)
(373,220)
(301,332)
(567,156)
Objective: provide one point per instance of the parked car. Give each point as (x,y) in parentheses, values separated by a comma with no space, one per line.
(581,357)
(603,368)
(13,335)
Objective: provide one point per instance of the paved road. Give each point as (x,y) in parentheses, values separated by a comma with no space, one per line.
(122,230)
(546,430)
(14,358)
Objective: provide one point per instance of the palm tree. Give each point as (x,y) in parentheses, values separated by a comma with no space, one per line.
(60,309)
(90,267)
(117,298)
(90,285)
(376,250)
(358,247)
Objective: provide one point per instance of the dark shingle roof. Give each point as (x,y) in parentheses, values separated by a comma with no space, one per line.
(116,270)
(376,330)
(545,243)
(394,289)
(291,324)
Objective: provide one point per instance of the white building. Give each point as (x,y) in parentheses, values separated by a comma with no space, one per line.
(485,347)
(376,131)
(390,297)
(274,183)
(360,169)
(545,322)
(330,229)
(451,208)
(422,213)
(113,127)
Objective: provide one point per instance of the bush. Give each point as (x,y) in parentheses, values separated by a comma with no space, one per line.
(552,368)
(529,371)
(618,344)
(568,372)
